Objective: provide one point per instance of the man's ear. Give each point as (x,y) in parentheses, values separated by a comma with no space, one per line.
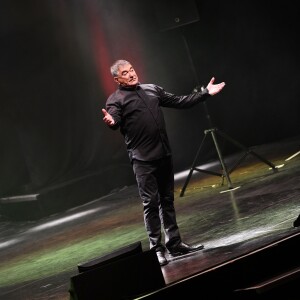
(116,80)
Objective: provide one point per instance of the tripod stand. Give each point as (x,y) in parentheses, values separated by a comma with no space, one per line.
(213,131)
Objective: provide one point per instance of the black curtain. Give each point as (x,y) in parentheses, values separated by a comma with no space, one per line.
(53,84)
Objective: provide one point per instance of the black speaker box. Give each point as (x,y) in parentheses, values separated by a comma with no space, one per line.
(124,274)
(123,252)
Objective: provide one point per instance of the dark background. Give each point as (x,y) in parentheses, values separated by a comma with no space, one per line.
(55,58)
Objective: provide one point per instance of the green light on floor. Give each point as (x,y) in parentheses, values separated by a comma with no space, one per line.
(49,262)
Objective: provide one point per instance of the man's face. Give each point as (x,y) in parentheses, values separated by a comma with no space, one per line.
(126,76)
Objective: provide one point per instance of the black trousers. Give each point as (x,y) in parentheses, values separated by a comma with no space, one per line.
(155,180)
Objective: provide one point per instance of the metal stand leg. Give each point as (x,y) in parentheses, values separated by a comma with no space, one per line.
(225,173)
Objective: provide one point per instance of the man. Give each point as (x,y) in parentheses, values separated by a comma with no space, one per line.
(135,109)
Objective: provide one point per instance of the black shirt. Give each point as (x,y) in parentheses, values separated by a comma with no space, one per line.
(137,112)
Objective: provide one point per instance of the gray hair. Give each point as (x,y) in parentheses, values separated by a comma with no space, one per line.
(114,69)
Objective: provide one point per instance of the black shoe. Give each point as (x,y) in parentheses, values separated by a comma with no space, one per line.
(161,258)
(297,222)
(183,248)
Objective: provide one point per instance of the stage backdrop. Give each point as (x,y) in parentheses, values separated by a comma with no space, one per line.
(55,58)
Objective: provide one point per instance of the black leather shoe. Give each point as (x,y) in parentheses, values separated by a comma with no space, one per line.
(297,222)
(183,248)
(161,258)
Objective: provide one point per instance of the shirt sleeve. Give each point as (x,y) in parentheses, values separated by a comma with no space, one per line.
(113,107)
(185,101)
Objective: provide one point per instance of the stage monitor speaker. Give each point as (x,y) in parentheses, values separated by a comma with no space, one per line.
(123,252)
(126,276)
(172,14)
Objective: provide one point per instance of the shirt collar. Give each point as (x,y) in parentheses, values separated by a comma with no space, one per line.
(130,88)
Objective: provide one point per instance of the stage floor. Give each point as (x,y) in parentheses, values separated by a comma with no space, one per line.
(38,257)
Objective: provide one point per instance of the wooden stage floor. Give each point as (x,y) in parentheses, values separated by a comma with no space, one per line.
(38,257)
